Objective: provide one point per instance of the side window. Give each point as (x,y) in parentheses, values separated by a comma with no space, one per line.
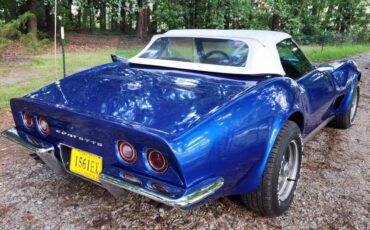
(223,52)
(180,49)
(294,63)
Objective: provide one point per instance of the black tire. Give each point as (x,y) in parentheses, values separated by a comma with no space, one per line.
(265,200)
(344,121)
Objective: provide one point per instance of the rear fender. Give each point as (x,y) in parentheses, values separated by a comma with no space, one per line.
(252,178)
(248,185)
(235,142)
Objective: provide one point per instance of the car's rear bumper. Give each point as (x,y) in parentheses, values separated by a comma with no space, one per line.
(191,196)
(41,148)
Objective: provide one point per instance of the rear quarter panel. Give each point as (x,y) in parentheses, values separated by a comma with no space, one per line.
(235,142)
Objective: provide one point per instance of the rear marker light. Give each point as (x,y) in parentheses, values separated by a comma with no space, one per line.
(159,188)
(156,161)
(126,151)
(131,178)
(31,140)
(27,120)
(43,126)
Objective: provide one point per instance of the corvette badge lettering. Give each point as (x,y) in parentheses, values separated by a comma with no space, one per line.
(83,139)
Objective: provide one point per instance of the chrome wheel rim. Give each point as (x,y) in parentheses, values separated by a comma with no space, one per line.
(354,106)
(288,171)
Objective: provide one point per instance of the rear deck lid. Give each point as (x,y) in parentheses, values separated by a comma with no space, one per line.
(168,101)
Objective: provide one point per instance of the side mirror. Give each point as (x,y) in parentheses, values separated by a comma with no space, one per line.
(116,58)
(324,68)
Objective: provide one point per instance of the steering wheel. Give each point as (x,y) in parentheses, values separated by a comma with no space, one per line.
(209,54)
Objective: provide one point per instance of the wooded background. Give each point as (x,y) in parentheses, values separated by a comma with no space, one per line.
(146,17)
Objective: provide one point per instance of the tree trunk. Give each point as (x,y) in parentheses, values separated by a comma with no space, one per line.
(153,24)
(140,25)
(347,16)
(194,15)
(91,12)
(148,26)
(92,20)
(49,19)
(123,25)
(114,17)
(275,22)
(143,20)
(113,24)
(79,18)
(85,16)
(103,11)
(70,15)
(140,20)
(207,19)
(130,17)
(32,21)
(227,16)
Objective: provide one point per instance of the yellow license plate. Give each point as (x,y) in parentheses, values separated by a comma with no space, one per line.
(85,164)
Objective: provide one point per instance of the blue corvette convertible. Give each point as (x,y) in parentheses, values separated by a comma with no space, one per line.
(197,115)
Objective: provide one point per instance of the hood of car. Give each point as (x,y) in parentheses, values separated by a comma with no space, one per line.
(167,100)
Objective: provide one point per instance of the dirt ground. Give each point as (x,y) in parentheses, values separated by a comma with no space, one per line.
(333,192)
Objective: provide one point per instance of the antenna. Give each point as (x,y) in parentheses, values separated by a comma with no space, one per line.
(55,40)
(63,54)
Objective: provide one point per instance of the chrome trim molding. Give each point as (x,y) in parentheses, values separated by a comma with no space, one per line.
(316,130)
(114,186)
(12,135)
(46,154)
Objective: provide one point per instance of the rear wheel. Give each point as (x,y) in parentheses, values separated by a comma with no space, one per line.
(344,121)
(275,193)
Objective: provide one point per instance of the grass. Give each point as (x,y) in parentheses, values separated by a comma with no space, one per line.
(315,54)
(4,71)
(41,68)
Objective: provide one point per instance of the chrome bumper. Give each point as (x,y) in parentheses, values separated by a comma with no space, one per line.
(42,149)
(116,188)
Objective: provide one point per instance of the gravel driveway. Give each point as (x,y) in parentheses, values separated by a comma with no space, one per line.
(334,190)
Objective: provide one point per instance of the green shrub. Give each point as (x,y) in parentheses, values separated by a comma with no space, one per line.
(12,29)
(4,43)
(27,41)
(364,36)
(42,34)
(45,43)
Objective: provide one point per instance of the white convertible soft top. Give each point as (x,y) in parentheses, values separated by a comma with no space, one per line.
(263,57)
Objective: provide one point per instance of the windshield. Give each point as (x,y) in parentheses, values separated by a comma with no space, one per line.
(199,50)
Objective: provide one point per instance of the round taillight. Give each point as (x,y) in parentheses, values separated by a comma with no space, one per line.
(127,151)
(156,161)
(43,126)
(27,120)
